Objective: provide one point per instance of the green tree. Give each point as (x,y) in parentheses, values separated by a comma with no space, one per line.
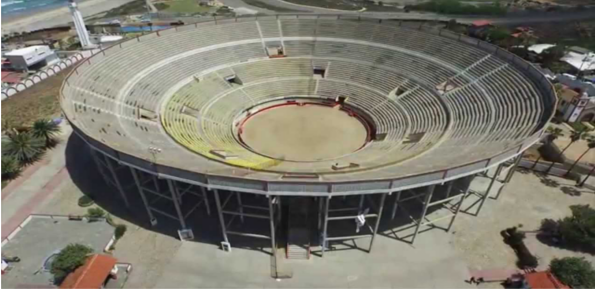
(119,231)
(23,146)
(574,136)
(497,34)
(574,272)
(553,54)
(69,258)
(46,129)
(553,134)
(579,228)
(590,145)
(11,168)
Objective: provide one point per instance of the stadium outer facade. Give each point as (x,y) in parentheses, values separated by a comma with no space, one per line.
(155,174)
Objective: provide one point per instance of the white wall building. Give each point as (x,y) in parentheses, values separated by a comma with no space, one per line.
(24,58)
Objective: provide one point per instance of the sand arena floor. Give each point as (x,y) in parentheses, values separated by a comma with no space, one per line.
(304,133)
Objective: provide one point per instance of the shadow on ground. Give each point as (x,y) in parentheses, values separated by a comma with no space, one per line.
(207,228)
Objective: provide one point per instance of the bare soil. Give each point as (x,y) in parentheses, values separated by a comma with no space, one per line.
(37,102)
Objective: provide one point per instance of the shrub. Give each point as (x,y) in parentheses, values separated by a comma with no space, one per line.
(119,231)
(574,272)
(11,168)
(95,213)
(458,8)
(70,258)
(85,201)
(47,130)
(579,228)
(22,146)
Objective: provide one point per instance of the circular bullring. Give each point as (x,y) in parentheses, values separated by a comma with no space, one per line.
(369,106)
(304,132)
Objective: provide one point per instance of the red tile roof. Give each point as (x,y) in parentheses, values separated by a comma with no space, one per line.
(91,275)
(481,22)
(10,77)
(544,280)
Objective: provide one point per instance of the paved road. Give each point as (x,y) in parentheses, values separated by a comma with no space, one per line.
(510,19)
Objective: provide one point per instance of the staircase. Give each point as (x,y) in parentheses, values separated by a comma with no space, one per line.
(298,234)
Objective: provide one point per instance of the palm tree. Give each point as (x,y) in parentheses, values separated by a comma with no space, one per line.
(590,145)
(574,136)
(46,129)
(22,146)
(554,133)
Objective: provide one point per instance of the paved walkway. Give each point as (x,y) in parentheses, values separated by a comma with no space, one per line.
(508,19)
(23,196)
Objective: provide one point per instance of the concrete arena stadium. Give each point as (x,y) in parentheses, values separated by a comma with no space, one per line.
(304,122)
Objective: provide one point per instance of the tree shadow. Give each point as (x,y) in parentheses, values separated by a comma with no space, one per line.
(572,191)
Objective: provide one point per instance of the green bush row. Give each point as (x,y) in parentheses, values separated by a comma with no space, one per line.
(456,7)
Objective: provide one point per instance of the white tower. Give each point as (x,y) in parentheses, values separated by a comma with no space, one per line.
(79,25)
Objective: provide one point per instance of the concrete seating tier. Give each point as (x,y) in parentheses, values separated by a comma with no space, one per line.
(183,91)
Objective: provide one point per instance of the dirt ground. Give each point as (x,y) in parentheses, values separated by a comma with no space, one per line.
(527,200)
(40,101)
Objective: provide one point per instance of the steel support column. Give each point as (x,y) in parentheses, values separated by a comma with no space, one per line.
(206,199)
(220,213)
(175,198)
(487,193)
(396,205)
(449,188)
(142,195)
(99,167)
(117,181)
(241,207)
(460,203)
(325,225)
(429,194)
(509,176)
(382,200)
(272,224)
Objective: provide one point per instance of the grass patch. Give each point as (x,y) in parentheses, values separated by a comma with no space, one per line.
(260,4)
(184,6)
(37,102)
(456,7)
(349,5)
(134,7)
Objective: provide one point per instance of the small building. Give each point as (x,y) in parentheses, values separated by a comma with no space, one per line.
(576,103)
(94,274)
(543,280)
(32,57)
(581,59)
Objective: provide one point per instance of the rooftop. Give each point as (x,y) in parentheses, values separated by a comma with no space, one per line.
(26,50)
(92,274)
(544,280)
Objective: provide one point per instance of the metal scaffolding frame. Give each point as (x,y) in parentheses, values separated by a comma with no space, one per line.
(427,203)
(324,220)
(106,169)
(175,192)
(241,210)
(509,175)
